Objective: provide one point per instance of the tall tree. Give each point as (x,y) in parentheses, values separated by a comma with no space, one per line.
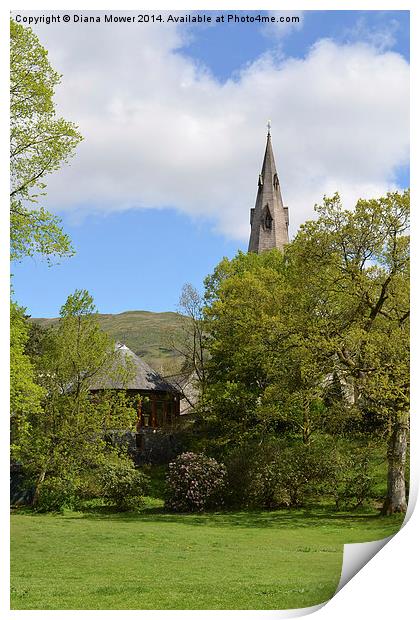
(332,311)
(189,341)
(244,299)
(40,143)
(67,435)
(351,268)
(25,393)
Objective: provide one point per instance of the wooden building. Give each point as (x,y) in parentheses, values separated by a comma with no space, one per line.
(159,404)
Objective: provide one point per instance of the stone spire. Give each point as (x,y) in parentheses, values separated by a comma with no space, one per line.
(269,218)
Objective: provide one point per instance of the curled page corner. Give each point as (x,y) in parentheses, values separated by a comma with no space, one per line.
(278,613)
(298,613)
(305,611)
(356,556)
(412,500)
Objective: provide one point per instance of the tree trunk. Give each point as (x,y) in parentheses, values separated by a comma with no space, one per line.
(306,426)
(40,480)
(397,451)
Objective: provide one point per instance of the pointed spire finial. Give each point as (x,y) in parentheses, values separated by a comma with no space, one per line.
(269,218)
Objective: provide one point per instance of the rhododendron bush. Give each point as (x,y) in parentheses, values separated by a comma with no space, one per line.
(194,482)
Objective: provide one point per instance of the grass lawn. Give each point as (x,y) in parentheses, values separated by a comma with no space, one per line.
(152,560)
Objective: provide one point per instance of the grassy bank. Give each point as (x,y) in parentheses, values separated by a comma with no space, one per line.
(149,334)
(152,560)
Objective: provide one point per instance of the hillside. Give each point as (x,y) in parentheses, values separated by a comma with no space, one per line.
(149,334)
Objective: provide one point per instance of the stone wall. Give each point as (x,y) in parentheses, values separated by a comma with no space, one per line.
(150,445)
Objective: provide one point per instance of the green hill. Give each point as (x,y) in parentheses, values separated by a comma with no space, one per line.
(149,334)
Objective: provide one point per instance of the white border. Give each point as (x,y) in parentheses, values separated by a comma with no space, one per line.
(387,586)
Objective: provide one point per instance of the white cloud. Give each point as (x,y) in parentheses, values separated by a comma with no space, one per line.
(162,131)
(285,23)
(382,36)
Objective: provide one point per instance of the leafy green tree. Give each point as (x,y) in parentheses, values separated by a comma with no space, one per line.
(36,336)
(67,437)
(40,143)
(25,394)
(286,329)
(263,377)
(351,268)
(78,350)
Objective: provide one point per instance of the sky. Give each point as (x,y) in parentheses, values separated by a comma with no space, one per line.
(174,123)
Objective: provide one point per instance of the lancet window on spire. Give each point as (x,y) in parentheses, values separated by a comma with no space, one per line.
(267,218)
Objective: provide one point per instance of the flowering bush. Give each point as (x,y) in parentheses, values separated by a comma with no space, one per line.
(194,482)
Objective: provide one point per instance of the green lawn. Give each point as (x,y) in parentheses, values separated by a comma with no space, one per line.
(152,560)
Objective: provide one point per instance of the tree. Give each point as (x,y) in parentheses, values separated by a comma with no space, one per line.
(189,341)
(330,314)
(67,437)
(78,350)
(263,376)
(194,341)
(40,143)
(25,394)
(244,300)
(352,268)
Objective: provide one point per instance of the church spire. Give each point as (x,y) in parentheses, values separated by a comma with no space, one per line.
(269,218)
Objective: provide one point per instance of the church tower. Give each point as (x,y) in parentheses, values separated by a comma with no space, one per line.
(269,218)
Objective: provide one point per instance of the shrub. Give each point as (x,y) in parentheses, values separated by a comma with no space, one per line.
(194,482)
(88,484)
(278,473)
(352,482)
(123,485)
(266,475)
(301,471)
(295,472)
(55,494)
(252,475)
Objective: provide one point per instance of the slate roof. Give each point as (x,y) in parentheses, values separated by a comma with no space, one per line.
(188,387)
(144,377)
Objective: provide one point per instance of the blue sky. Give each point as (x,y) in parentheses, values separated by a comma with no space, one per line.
(174,125)
(227,48)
